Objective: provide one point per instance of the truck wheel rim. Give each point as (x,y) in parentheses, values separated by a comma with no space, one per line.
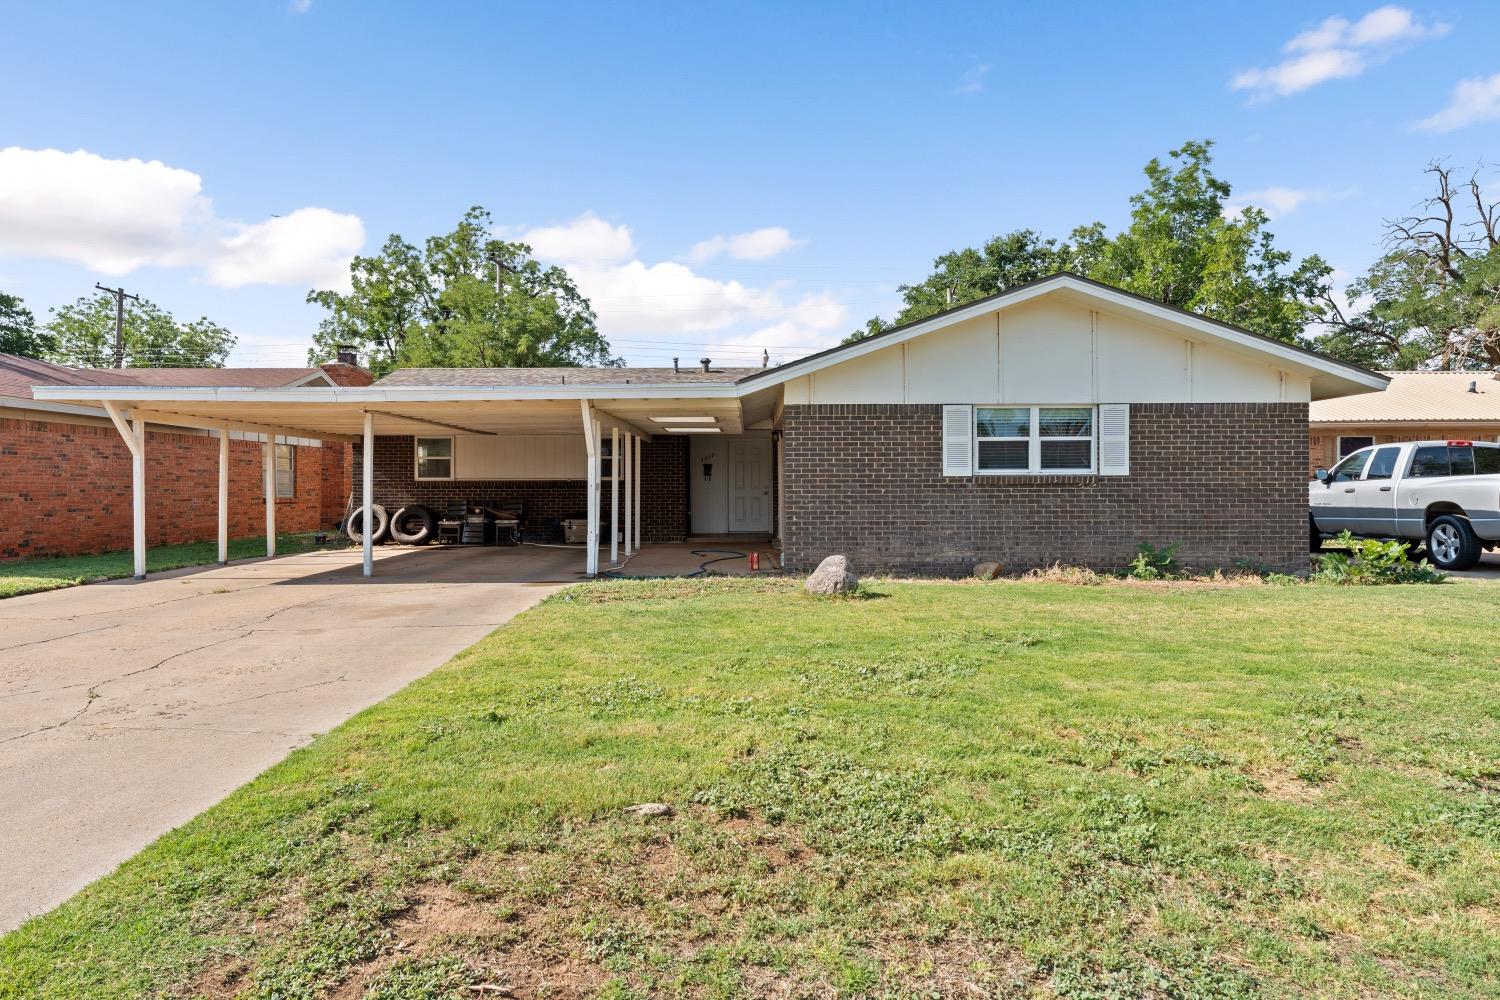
(1445,543)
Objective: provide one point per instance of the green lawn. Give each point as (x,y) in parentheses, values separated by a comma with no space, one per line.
(27,576)
(934,790)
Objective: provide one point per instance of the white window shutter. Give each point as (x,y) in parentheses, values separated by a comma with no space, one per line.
(958,440)
(1114,439)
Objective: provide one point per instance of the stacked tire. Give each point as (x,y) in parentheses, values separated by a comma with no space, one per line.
(378,520)
(414,524)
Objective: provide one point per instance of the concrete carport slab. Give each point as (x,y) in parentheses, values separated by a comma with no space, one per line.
(128,708)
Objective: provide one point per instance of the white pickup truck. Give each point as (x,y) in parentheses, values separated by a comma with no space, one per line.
(1445,493)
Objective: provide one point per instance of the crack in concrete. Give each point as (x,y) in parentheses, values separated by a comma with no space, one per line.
(93,687)
(38,642)
(271,694)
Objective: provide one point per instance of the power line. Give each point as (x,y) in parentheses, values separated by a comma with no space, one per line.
(120,297)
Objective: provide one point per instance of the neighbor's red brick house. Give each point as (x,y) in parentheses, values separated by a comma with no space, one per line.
(65,472)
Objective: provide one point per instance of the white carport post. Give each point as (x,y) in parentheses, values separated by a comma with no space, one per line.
(591,450)
(134,433)
(268,456)
(635,484)
(614,496)
(367,494)
(629,510)
(224,494)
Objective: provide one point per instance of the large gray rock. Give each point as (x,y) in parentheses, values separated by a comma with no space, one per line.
(987,570)
(833,576)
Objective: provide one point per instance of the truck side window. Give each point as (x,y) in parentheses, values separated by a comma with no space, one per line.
(1349,469)
(1430,461)
(1383,465)
(1487,461)
(1461,461)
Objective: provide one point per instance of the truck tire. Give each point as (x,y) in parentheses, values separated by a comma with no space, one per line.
(355,526)
(1314,536)
(1451,544)
(413,524)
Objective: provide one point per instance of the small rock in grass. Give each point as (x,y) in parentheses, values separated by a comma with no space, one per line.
(651,810)
(987,570)
(833,576)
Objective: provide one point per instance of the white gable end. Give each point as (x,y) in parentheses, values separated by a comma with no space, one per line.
(1053,350)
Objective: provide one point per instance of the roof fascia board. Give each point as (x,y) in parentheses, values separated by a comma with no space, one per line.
(22,403)
(1295,358)
(389,394)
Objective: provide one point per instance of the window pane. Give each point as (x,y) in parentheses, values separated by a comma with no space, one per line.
(1462,461)
(1430,461)
(1383,465)
(997,456)
(1066,421)
(1003,421)
(1350,468)
(1069,455)
(1349,445)
(434,468)
(434,447)
(1487,461)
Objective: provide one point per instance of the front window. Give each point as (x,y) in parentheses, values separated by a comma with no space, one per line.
(1349,469)
(286,471)
(1034,439)
(1349,445)
(434,458)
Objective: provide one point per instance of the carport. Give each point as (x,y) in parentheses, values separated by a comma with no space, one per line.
(625,414)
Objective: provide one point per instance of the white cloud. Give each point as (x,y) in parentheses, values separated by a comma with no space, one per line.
(587,237)
(758,244)
(311,246)
(972,82)
(299,6)
(1277,201)
(115,216)
(1336,49)
(1476,100)
(646,300)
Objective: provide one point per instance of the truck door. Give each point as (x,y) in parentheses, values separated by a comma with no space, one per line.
(1335,506)
(1375,494)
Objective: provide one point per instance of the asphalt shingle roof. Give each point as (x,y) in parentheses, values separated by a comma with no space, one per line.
(562,376)
(18,375)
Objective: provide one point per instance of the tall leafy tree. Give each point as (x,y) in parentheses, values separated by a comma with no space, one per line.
(1433,298)
(19,333)
(1183,246)
(83,335)
(439,306)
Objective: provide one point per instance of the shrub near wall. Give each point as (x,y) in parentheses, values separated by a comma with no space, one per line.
(65,488)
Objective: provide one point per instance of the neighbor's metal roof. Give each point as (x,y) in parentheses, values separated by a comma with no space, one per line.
(562,376)
(1418,397)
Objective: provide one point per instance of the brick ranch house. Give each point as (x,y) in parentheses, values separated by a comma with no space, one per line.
(65,473)
(1058,421)
(1417,406)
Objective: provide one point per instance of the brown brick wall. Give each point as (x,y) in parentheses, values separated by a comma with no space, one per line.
(663,488)
(1223,481)
(1323,440)
(65,489)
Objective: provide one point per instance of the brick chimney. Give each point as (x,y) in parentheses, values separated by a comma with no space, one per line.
(346,370)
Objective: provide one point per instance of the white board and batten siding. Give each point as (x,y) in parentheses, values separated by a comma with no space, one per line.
(518,456)
(1053,352)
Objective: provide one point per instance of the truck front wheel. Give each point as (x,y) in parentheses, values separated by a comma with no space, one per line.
(1451,544)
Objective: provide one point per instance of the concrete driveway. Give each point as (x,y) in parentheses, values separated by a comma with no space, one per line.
(128,708)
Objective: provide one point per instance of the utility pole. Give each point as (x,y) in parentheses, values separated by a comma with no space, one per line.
(120,297)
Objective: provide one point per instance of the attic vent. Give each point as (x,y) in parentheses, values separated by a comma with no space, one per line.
(705,362)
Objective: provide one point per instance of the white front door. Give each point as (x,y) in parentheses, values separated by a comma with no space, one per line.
(750,484)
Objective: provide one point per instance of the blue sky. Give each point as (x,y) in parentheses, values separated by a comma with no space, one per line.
(718,178)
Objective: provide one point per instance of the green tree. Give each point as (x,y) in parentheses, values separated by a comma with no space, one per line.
(1183,247)
(438,306)
(1433,299)
(84,336)
(19,333)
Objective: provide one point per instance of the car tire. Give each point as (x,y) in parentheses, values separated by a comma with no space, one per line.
(413,524)
(355,526)
(1314,536)
(1451,544)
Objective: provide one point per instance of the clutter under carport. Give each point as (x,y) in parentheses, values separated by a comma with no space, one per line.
(462,522)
